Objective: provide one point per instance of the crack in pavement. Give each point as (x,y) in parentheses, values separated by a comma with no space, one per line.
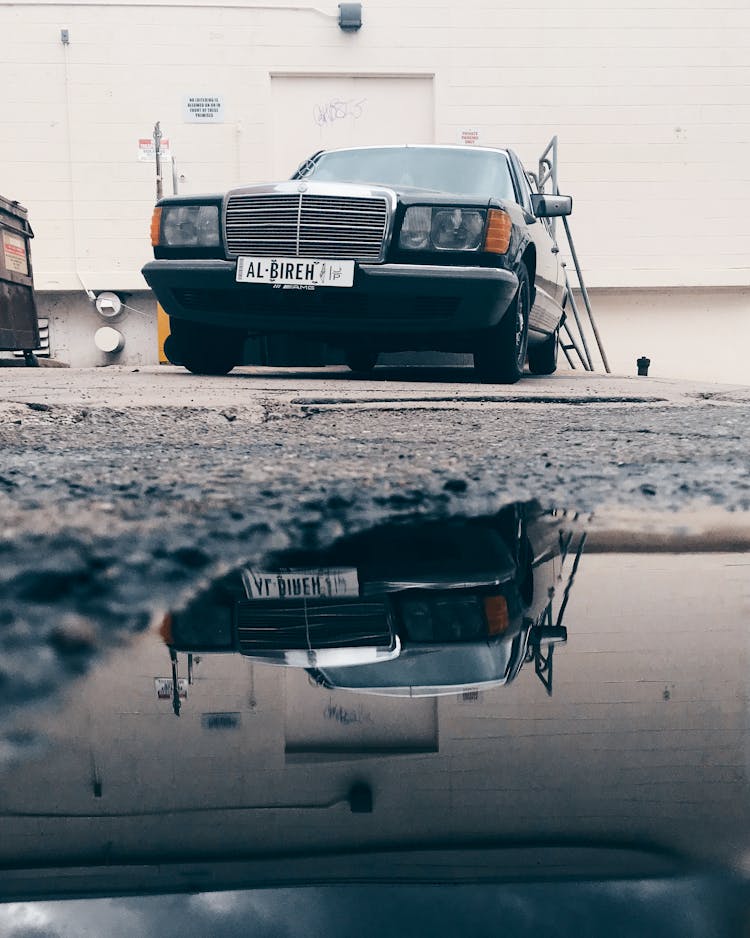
(476,399)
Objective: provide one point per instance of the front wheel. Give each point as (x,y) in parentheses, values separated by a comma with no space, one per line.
(203,363)
(543,357)
(204,350)
(502,355)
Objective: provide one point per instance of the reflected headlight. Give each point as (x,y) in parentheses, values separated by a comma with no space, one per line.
(442,229)
(190,225)
(444,618)
(199,632)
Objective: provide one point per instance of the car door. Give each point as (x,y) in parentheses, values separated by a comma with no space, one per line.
(549,287)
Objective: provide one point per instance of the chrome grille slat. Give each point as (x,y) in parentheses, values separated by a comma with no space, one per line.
(307,225)
(279,624)
(342,240)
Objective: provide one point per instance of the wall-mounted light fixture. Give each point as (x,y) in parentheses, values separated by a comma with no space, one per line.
(350,17)
(108,305)
(109,340)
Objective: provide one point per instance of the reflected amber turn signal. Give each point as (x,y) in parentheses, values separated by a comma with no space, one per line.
(155,226)
(165,629)
(496,611)
(499,226)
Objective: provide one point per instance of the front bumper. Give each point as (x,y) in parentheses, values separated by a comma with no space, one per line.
(386,299)
(342,657)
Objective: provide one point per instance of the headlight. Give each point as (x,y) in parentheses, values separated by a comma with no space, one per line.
(457,229)
(442,229)
(415,231)
(197,630)
(190,225)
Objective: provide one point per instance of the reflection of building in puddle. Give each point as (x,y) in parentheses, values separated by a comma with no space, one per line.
(414,610)
(645,739)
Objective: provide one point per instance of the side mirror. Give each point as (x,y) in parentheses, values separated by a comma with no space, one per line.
(548,635)
(551,206)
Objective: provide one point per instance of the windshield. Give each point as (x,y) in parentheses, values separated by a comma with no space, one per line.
(458,171)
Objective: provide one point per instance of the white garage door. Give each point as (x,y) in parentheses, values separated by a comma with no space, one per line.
(330,725)
(312,112)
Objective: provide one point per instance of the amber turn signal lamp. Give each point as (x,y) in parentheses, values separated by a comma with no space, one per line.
(496,612)
(499,226)
(155,226)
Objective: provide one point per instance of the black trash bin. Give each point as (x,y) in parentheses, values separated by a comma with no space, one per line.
(19,324)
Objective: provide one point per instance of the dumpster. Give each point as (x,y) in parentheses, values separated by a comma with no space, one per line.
(19,326)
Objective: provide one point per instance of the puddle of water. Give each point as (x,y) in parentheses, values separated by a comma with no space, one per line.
(534,680)
(410,610)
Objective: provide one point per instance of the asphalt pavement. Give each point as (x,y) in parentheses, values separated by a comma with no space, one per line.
(121,489)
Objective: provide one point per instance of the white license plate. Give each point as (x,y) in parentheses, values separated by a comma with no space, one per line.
(295,271)
(301,584)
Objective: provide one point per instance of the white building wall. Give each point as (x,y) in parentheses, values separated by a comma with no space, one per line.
(702,333)
(651,102)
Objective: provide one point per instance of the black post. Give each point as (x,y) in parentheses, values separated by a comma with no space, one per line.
(157,157)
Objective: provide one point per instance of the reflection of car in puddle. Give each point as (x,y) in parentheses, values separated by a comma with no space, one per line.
(405,609)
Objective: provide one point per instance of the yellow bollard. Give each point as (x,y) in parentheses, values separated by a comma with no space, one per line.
(162,331)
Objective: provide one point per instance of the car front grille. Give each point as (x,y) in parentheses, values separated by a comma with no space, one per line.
(340,623)
(306,225)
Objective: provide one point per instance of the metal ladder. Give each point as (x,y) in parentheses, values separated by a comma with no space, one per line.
(543,661)
(547,173)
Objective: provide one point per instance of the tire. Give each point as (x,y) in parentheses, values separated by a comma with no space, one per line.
(543,357)
(208,361)
(503,353)
(204,350)
(172,350)
(361,359)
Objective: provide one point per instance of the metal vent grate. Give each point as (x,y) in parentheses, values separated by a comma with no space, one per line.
(43,350)
(306,225)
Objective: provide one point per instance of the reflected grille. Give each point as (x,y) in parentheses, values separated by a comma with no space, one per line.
(329,227)
(338,623)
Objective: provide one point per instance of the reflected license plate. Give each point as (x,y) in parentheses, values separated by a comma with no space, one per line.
(295,271)
(301,584)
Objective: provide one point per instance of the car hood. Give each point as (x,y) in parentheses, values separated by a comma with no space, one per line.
(407,195)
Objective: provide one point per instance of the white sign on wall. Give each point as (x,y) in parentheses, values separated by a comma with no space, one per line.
(469,137)
(146,150)
(203,109)
(165,688)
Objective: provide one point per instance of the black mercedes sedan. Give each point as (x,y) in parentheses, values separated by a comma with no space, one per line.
(420,609)
(373,249)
